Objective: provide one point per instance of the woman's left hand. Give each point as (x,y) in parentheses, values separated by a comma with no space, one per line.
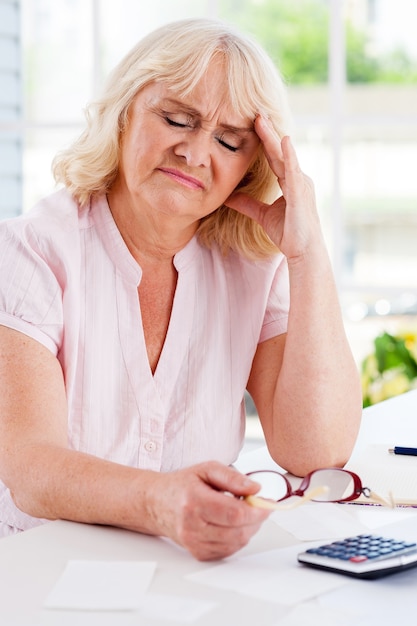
(291,221)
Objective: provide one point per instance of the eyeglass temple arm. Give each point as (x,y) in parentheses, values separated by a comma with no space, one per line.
(374,496)
(262,503)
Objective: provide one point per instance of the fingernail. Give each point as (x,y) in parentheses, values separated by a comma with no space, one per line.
(264,120)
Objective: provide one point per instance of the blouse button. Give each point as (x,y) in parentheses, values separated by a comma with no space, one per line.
(150,446)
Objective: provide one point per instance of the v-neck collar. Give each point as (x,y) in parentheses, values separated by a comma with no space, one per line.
(118,250)
(132,337)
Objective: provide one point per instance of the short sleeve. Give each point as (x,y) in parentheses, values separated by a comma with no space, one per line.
(276,316)
(30,291)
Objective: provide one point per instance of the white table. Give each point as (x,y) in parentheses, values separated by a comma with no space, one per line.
(31,563)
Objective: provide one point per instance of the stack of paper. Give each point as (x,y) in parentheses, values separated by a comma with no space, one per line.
(384,473)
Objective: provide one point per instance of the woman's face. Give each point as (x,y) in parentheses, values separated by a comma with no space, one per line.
(183,156)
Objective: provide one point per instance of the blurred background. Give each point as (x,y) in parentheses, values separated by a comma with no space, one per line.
(351,70)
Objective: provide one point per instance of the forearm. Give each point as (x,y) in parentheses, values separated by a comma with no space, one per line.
(317,400)
(305,385)
(192,506)
(51,482)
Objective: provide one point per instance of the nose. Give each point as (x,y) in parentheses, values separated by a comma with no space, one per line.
(195,148)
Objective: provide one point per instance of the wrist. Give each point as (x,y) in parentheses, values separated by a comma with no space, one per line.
(143,503)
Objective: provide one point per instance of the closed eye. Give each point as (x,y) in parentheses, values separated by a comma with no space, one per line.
(227,145)
(185,124)
(172,122)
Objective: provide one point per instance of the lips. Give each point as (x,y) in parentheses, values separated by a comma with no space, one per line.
(182,178)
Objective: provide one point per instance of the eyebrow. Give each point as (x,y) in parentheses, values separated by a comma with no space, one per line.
(195,113)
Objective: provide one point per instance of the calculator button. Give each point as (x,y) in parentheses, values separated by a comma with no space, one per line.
(373,554)
(358,559)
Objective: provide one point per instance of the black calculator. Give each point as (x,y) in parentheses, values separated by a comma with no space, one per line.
(363,556)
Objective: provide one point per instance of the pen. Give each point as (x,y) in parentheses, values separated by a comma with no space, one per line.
(404,451)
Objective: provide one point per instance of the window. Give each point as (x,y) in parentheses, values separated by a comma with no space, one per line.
(351,72)
(350,67)
(10,110)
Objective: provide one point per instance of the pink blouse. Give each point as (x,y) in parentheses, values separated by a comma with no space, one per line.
(68,281)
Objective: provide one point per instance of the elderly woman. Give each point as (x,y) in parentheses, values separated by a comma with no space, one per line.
(140,301)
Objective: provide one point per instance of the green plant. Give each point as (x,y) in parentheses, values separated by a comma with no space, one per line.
(391,369)
(296,35)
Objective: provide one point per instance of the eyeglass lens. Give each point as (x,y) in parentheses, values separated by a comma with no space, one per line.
(340,485)
(274,486)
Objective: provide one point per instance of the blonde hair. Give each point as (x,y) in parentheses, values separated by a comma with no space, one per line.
(179,54)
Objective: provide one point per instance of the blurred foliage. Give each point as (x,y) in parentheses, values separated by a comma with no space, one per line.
(295,33)
(391,369)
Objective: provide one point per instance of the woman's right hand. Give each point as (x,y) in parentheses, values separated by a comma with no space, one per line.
(195,507)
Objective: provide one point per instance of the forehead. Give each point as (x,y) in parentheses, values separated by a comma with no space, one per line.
(209,100)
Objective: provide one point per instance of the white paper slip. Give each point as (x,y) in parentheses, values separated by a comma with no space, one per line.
(274,576)
(316,615)
(102,585)
(319,520)
(174,608)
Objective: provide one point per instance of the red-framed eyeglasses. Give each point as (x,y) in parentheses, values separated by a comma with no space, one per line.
(332,484)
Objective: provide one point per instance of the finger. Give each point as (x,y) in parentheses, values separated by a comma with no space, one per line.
(296,183)
(272,145)
(227,479)
(218,526)
(223,511)
(290,156)
(219,539)
(246,204)
(218,547)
